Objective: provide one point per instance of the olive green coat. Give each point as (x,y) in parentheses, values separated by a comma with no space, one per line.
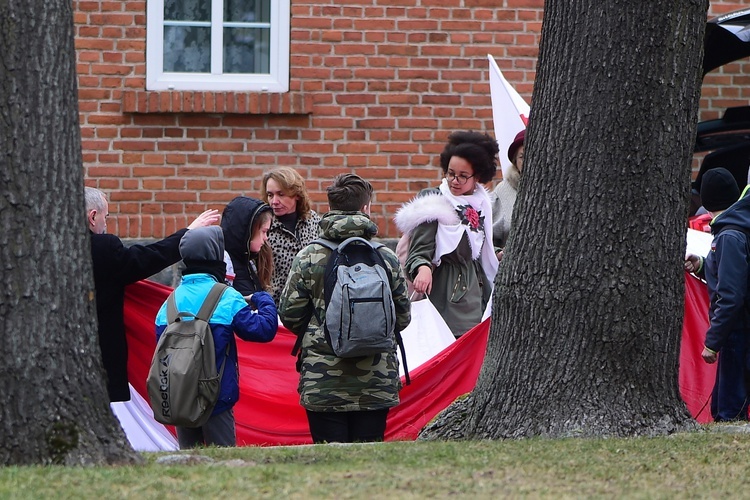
(459,289)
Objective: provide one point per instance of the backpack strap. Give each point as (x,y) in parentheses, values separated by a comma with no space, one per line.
(172,313)
(206,310)
(744,230)
(211,301)
(329,244)
(400,342)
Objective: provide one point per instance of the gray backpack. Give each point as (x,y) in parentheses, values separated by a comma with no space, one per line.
(183,384)
(360,315)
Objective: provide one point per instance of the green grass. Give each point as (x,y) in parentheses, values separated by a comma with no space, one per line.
(702,464)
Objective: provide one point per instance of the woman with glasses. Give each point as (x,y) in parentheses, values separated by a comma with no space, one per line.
(504,195)
(450,256)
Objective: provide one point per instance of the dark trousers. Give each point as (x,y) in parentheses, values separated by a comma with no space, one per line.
(347,426)
(219,431)
(729,398)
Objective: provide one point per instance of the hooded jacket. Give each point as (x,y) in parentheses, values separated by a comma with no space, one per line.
(202,248)
(728,273)
(327,382)
(237,222)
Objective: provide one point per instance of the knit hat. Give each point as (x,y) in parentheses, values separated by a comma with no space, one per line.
(718,189)
(517,143)
(202,244)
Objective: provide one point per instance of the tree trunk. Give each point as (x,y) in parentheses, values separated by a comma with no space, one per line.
(588,305)
(54,403)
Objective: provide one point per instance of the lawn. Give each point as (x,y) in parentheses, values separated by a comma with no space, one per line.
(701,464)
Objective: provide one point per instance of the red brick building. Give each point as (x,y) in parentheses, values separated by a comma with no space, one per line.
(369,86)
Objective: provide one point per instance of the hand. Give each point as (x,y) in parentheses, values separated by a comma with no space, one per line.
(423,280)
(709,356)
(207,218)
(249,300)
(692,263)
(500,255)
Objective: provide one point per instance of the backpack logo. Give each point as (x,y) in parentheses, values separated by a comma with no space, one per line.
(360,314)
(183,383)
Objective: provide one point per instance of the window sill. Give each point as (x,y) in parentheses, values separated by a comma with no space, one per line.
(252,103)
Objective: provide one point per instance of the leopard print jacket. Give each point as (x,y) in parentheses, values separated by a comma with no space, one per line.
(285,246)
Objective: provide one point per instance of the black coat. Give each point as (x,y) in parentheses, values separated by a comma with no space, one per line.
(116,266)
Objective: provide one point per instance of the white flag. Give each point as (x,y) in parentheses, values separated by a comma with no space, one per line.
(510,113)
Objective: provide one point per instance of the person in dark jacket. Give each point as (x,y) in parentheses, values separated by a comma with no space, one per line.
(245,222)
(727,274)
(116,266)
(202,250)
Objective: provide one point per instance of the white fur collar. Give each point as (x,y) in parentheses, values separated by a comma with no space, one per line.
(427,208)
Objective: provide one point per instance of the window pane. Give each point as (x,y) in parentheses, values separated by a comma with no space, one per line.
(187,10)
(247,11)
(247,50)
(187,49)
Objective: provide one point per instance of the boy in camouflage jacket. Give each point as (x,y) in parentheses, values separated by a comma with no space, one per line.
(346,399)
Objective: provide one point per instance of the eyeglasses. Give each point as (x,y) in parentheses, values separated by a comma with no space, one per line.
(461,179)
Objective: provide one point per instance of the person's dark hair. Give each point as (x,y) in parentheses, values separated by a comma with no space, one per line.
(480,150)
(349,193)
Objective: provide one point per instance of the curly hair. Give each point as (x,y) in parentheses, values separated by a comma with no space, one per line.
(480,150)
(293,184)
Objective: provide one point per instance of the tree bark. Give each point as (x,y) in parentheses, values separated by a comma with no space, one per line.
(588,305)
(54,402)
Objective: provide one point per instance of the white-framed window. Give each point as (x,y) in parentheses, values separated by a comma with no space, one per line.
(221,45)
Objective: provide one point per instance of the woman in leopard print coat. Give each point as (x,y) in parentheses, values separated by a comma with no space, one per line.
(294,225)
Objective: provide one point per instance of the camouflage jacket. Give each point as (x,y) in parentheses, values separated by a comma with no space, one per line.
(327,382)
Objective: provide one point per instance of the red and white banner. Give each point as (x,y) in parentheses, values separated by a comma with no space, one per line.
(268,412)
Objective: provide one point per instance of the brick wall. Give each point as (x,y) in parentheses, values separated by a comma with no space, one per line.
(727,86)
(375,89)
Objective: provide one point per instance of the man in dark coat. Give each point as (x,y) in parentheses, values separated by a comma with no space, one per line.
(727,273)
(116,266)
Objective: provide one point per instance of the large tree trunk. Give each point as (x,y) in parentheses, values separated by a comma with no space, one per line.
(54,403)
(588,304)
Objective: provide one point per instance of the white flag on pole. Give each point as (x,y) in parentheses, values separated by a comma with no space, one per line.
(510,113)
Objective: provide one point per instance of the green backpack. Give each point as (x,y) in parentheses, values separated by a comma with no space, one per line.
(183,385)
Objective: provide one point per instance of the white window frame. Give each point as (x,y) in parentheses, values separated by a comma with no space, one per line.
(275,81)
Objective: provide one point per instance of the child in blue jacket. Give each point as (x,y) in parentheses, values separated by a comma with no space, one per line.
(254,319)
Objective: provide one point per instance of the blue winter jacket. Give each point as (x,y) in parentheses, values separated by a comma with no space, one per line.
(232,315)
(727,274)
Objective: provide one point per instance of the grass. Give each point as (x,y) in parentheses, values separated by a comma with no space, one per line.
(702,464)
